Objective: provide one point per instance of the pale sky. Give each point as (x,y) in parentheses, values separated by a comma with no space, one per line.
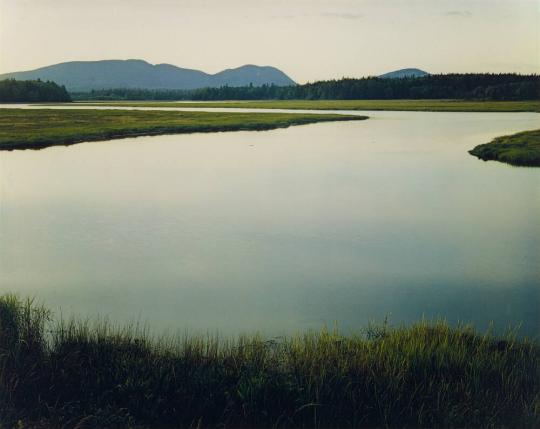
(308,39)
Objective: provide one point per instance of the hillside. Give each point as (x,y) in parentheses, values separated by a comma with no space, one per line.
(397,74)
(89,75)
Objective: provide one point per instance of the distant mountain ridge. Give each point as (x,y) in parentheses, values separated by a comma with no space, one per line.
(106,74)
(397,74)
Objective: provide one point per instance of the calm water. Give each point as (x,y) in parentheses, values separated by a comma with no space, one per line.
(280,231)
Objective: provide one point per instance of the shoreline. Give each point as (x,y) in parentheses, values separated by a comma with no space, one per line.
(41,128)
(521,149)
(376,105)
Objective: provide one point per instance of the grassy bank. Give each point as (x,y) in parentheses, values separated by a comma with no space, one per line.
(24,128)
(57,374)
(414,105)
(518,149)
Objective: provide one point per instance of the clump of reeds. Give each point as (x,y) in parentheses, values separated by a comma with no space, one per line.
(64,374)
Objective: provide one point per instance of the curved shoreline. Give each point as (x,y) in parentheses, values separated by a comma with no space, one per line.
(521,149)
(41,128)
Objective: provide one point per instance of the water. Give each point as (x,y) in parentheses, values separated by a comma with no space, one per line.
(280,231)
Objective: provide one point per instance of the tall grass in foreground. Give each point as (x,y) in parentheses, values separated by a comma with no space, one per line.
(64,374)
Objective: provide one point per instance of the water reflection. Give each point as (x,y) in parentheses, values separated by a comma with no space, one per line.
(281,230)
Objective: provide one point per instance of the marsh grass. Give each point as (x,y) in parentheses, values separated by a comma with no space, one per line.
(403,105)
(39,128)
(69,373)
(522,149)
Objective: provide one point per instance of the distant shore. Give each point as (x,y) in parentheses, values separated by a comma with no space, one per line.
(68,373)
(395,105)
(40,128)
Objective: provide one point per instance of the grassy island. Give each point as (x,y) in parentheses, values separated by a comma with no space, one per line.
(521,149)
(69,374)
(39,128)
(403,105)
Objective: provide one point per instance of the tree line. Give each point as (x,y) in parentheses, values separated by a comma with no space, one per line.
(12,90)
(471,86)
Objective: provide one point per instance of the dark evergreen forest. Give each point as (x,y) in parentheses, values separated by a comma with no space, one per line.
(12,90)
(444,86)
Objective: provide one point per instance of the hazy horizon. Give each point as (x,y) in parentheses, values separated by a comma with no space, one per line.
(308,40)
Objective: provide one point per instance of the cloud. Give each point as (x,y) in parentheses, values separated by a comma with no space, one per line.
(343,15)
(458,13)
(334,15)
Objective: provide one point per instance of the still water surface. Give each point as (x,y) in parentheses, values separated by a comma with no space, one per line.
(280,231)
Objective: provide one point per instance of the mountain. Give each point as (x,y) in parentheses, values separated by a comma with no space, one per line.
(404,73)
(88,75)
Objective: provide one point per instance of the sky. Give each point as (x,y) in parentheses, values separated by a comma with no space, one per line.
(308,39)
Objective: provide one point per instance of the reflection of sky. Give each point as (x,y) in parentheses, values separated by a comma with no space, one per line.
(280,230)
